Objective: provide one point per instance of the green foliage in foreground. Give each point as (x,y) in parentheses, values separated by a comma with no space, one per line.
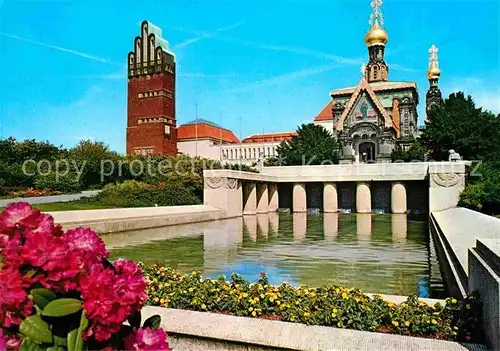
(328,305)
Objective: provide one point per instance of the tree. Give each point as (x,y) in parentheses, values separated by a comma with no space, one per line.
(94,159)
(457,124)
(416,152)
(313,145)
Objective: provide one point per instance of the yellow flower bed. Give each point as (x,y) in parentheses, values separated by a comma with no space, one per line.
(328,305)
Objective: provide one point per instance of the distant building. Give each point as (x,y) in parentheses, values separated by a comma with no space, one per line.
(207,139)
(151,123)
(370,120)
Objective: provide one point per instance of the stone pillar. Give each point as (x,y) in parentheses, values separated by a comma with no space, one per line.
(363,198)
(299,197)
(272,190)
(330,198)
(250,200)
(262,198)
(398,198)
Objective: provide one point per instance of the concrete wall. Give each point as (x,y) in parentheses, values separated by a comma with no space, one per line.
(484,277)
(203,148)
(466,268)
(192,330)
(126,219)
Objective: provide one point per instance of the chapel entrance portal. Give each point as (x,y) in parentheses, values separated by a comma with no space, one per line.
(367,152)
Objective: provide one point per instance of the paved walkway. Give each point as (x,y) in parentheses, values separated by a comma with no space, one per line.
(462,228)
(50,199)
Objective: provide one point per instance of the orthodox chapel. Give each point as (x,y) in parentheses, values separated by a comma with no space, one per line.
(370,120)
(377,115)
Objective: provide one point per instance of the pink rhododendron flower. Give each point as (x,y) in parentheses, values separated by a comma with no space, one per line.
(44,250)
(109,297)
(17,214)
(87,240)
(14,303)
(147,339)
(8,341)
(71,262)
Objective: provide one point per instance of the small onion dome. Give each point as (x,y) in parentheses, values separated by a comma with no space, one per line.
(376,36)
(434,72)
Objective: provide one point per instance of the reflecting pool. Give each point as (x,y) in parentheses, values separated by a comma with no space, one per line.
(378,253)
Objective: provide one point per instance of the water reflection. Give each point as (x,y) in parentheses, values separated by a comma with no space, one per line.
(377,253)
(399,228)
(364,227)
(263,224)
(274,222)
(299,226)
(251,226)
(330,226)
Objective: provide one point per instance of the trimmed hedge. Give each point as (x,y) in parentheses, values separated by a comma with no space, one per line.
(328,305)
(137,194)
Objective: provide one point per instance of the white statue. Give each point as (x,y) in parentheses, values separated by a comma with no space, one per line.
(454,156)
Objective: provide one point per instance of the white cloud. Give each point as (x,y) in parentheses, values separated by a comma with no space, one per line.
(58,48)
(279,48)
(207,35)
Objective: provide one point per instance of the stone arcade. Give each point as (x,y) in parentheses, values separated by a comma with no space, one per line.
(244,193)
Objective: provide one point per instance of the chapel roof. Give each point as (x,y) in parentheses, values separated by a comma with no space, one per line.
(377,86)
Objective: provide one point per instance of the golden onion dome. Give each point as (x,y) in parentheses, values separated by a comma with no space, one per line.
(376,36)
(434,72)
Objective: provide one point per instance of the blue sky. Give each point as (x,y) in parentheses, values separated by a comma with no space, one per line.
(269,64)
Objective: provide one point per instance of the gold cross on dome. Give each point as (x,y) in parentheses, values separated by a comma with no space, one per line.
(433,51)
(376,15)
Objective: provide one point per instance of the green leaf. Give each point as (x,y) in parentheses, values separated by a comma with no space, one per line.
(152,322)
(36,329)
(42,297)
(56,348)
(135,319)
(75,341)
(60,341)
(62,307)
(72,335)
(28,345)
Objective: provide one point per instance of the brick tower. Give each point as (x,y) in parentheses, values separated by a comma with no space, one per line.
(151,125)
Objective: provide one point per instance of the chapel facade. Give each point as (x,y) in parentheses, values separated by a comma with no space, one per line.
(378,115)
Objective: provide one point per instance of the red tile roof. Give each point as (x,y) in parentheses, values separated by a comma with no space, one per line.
(204,130)
(270,137)
(326,113)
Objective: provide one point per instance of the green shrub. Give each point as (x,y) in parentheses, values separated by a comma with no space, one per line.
(136,194)
(328,305)
(61,182)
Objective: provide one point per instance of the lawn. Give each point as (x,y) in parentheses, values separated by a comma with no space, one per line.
(67,206)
